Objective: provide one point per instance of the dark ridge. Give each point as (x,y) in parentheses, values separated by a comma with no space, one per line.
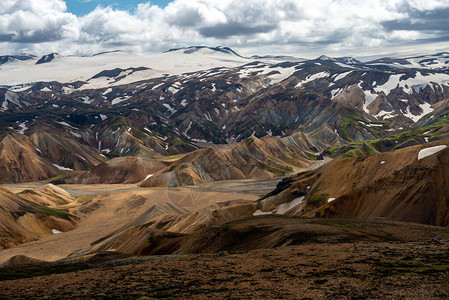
(47,58)
(193,49)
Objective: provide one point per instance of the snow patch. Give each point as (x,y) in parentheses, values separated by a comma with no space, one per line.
(23,127)
(119,99)
(385,114)
(56,231)
(342,75)
(200,140)
(156,86)
(283,73)
(173,90)
(371,124)
(80,157)
(11,98)
(430,151)
(86,100)
(171,109)
(335,93)
(413,84)
(259,212)
(66,124)
(311,78)
(75,134)
(426,109)
(188,128)
(285,207)
(62,168)
(148,176)
(369,98)
(207,116)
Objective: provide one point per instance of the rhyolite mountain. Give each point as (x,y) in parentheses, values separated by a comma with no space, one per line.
(74,113)
(409,185)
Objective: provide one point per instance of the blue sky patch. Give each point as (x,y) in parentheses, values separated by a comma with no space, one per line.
(83,7)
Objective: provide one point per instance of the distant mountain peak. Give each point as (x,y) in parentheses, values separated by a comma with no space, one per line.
(278,57)
(47,58)
(349,60)
(324,57)
(109,52)
(344,60)
(193,49)
(10,58)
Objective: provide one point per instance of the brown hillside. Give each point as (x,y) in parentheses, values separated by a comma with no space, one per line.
(23,221)
(394,185)
(266,157)
(121,170)
(49,195)
(65,151)
(20,161)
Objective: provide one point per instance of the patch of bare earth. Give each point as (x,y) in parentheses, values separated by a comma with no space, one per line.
(317,271)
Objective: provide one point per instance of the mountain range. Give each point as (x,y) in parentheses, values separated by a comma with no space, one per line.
(68,113)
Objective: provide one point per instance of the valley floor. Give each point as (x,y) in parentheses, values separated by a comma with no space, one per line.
(104,208)
(412,270)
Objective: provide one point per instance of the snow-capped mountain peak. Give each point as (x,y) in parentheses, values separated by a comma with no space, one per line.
(205,50)
(48,58)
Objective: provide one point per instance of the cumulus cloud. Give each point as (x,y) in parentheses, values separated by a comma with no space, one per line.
(255,26)
(36,21)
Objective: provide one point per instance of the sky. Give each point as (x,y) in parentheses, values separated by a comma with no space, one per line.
(300,28)
(83,7)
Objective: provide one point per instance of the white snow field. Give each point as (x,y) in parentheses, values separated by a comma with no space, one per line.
(430,151)
(68,69)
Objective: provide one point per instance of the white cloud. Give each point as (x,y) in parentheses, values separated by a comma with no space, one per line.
(36,21)
(254,26)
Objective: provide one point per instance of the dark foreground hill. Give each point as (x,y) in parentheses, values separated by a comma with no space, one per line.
(321,259)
